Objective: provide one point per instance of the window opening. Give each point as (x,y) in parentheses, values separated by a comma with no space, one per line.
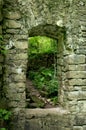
(42,82)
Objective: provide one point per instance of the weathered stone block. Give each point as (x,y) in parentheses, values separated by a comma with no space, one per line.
(12,15)
(13,96)
(19,87)
(79,67)
(77,82)
(47,119)
(21,103)
(75,59)
(12,24)
(82,51)
(21,44)
(13,104)
(76,74)
(73,95)
(80,119)
(72,107)
(16,57)
(21,37)
(77,88)
(82,106)
(83,88)
(19,78)
(18,119)
(77,128)
(82,95)
(77,95)
(12,31)
(21,56)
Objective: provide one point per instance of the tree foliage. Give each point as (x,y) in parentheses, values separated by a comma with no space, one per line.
(43,44)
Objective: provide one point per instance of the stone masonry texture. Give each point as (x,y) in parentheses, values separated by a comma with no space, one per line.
(65,21)
(1,56)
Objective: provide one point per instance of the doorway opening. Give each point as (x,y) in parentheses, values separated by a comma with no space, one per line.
(42,81)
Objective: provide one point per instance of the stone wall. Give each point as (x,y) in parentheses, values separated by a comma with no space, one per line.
(48,119)
(1,57)
(75,56)
(63,20)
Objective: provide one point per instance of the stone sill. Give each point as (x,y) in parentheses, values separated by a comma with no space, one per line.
(38,112)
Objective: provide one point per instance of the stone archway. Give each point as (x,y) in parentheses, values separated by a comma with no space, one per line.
(21,18)
(19,22)
(57,33)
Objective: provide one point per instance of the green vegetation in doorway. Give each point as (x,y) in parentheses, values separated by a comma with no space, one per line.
(42,66)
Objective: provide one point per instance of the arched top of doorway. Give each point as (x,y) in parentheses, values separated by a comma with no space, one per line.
(48,30)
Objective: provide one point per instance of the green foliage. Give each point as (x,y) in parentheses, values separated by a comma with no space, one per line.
(4,116)
(41,44)
(43,75)
(2,128)
(54,100)
(44,81)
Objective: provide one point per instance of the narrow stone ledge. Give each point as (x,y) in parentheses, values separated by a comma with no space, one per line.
(47,119)
(38,112)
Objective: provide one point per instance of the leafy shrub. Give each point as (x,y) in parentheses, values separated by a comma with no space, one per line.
(54,100)
(4,116)
(41,44)
(44,80)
